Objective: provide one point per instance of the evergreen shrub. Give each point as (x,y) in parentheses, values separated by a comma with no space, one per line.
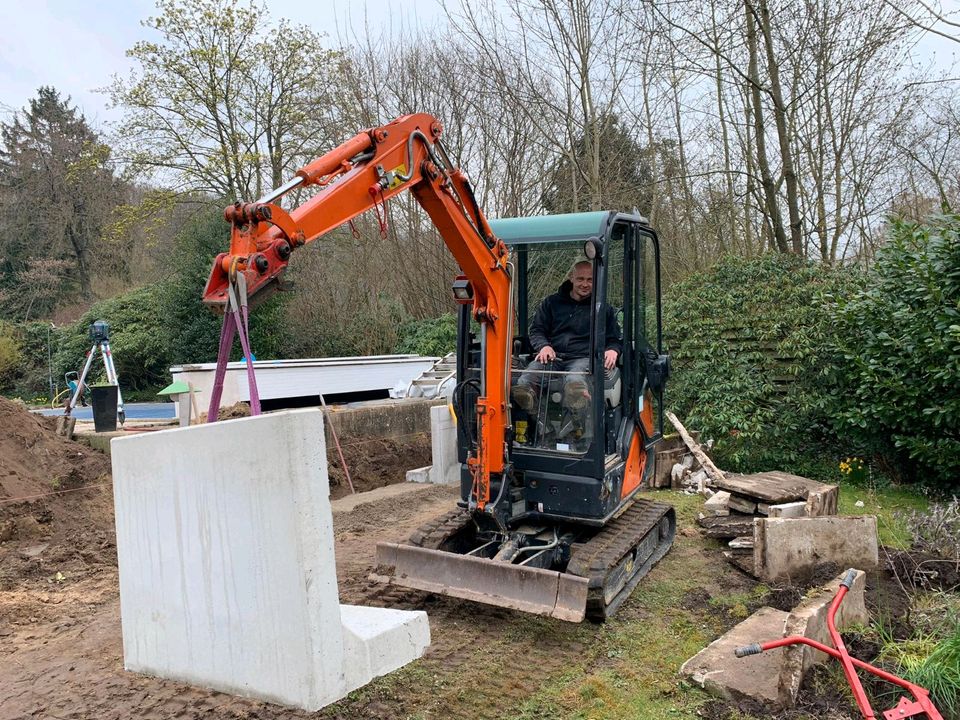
(754,363)
(899,341)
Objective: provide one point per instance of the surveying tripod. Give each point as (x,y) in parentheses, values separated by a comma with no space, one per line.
(100,335)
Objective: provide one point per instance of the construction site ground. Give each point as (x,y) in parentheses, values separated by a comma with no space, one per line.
(60,636)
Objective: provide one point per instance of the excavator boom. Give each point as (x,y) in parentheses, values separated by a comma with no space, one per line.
(362,174)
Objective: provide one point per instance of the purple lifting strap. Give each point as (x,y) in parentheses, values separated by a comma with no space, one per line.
(235,321)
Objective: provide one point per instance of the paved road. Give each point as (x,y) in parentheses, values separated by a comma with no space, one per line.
(134,411)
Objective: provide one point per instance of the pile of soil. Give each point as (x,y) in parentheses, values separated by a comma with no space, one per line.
(375,462)
(42,475)
(56,520)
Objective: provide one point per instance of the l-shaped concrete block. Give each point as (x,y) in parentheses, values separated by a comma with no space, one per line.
(227,572)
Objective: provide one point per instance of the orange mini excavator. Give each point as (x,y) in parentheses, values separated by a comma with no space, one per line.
(550,519)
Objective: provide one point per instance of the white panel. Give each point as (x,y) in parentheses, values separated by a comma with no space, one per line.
(227,570)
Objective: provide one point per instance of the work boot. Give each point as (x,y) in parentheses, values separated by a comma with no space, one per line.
(576,395)
(523,397)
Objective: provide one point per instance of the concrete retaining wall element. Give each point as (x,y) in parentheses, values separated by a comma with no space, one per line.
(227,574)
(787,548)
(443,436)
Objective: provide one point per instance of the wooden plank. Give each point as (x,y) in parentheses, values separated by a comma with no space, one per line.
(706,463)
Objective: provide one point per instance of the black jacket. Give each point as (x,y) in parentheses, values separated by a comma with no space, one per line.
(564,324)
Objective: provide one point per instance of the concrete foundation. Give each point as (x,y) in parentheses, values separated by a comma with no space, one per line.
(227,574)
(786,548)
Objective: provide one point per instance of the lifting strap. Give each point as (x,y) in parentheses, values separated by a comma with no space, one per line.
(236,320)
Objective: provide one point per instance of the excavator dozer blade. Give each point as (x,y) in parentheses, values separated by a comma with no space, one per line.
(532,590)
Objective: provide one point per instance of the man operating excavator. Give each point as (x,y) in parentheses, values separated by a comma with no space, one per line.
(560,336)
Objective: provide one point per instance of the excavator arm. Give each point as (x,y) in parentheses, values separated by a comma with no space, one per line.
(363,174)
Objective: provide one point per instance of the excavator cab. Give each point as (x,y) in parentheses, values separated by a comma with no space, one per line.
(582,440)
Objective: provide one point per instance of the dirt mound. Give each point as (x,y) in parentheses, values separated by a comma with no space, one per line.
(375,462)
(56,518)
(35,462)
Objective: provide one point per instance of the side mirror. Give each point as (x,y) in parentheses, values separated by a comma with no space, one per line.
(658,371)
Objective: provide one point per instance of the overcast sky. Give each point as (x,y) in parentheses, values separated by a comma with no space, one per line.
(78,45)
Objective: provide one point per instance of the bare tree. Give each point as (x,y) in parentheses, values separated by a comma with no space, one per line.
(226,102)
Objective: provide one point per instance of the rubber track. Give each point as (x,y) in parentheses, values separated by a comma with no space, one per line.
(432,535)
(595,558)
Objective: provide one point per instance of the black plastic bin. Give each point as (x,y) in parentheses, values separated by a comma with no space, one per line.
(104,401)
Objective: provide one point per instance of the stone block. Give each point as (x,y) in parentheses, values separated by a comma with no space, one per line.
(227,571)
(720,673)
(717,504)
(786,548)
(788,510)
(809,619)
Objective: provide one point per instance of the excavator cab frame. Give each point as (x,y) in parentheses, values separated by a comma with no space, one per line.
(587,479)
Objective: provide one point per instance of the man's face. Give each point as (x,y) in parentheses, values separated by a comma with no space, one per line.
(582,280)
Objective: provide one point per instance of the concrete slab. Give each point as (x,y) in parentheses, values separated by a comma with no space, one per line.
(774,677)
(776,488)
(742,505)
(227,572)
(786,548)
(718,504)
(720,673)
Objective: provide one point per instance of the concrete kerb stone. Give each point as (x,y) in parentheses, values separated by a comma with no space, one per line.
(227,571)
(789,548)
(809,619)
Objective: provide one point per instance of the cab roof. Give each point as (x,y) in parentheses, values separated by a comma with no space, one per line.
(551,228)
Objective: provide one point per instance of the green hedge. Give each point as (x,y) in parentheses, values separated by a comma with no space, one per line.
(434,337)
(900,343)
(753,360)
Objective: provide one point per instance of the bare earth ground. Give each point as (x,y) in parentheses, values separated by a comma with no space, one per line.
(60,641)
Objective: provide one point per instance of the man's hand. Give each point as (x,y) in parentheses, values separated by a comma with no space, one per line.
(609,359)
(546,355)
